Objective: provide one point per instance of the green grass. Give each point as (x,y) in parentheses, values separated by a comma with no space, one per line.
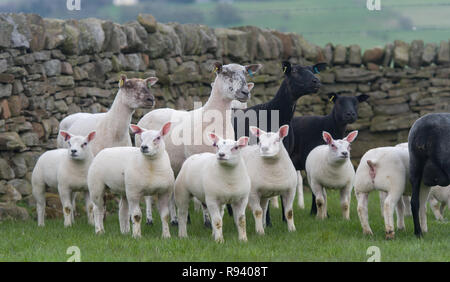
(331,240)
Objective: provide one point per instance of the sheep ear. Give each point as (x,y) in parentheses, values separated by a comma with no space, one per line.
(283,131)
(317,68)
(250,86)
(66,135)
(254,68)
(122,80)
(256,131)
(151,81)
(363,97)
(214,138)
(165,129)
(91,136)
(217,67)
(136,129)
(286,67)
(242,142)
(351,136)
(327,137)
(332,97)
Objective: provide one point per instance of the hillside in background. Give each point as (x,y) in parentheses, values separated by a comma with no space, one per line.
(345,21)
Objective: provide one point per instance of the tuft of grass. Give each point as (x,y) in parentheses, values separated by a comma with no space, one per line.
(333,239)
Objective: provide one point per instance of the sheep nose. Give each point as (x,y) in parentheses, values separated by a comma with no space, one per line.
(345,154)
(245,92)
(265,149)
(221,155)
(73,151)
(315,80)
(144,147)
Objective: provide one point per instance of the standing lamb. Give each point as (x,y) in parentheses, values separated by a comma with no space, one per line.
(307,133)
(439,198)
(188,134)
(272,173)
(429,160)
(215,180)
(385,169)
(330,166)
(133,173)
(298,81)
(65,170)
(113,125)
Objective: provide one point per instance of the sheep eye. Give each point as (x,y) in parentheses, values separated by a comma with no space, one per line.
(231,88)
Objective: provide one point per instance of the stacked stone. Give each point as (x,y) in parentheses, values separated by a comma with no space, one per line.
(50,68)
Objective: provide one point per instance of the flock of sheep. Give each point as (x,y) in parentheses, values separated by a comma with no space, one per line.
(205,155)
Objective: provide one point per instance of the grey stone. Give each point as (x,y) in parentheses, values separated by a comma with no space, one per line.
(22,186)
(11,141)
(354,55)
(92,36)
(6,172)
(5,90)
(443,56)
(401,53)
(52,67)
(340,55)
(429,54)
(415,53)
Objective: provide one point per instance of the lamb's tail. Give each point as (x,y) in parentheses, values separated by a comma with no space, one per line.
(372,169)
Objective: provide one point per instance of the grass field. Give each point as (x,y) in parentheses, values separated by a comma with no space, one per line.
(331,240)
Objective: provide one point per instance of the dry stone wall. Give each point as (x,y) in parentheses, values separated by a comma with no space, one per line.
(50,68)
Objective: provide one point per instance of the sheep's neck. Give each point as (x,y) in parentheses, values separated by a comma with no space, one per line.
(119,116)
(217,102)
(285,102)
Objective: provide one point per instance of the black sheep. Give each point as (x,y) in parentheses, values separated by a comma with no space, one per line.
(429,159)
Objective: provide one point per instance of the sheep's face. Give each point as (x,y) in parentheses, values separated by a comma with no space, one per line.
(137,92)
(152,140)
(227,150)
(301,79)
(346,108)
(78,145)
(231,80)
(270,143)
(339,150)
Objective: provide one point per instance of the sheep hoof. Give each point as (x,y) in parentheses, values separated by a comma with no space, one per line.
(149,222)
(368,232)
(390,235)
(207,224)
(174,222)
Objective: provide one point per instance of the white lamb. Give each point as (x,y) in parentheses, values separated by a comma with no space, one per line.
(386,169)
(330,166)
(216,180)
(133,173)
(272,173)
(64,170)
(113,125)
(439,198)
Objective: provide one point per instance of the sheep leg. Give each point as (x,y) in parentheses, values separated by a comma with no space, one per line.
(239,218)
(300,198)
(124,215)
(74,205)
(206,218)
(66,201)
(407,204)
(345,201)
(255,206)
(99,211)
(136,215)
(389,203)
(434,205)
(288,199)
(318,192)
(416,171)
(424,192)
(182,198)
(214,211)
(265,206)
(383,196)
(173,211)
(39,195)
(89,208)
(274,202)
(163,208)
(97,192)
(148,210)
(363,212)
(400,214)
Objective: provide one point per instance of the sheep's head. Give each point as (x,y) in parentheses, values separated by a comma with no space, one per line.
(270,143)
(231,80)
(152,140)
(346,108)
(78,145)
(227,150)
(137,92)
(339,149)
(302,79)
